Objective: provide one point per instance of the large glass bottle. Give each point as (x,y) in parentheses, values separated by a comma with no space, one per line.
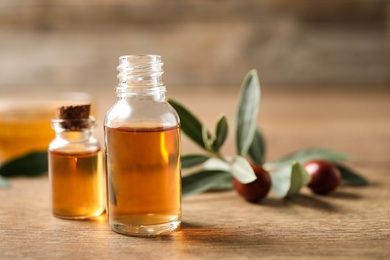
(142,146)
(75,166)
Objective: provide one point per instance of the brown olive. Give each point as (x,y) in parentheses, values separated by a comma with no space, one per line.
(256,190)
(325,177)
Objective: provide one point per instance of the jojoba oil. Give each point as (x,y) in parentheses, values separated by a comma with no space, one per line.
(143,178)
(78,184)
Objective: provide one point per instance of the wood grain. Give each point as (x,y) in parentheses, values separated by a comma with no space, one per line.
(352,223)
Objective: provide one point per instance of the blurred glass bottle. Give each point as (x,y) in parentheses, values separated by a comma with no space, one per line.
(25,120)
(142,140)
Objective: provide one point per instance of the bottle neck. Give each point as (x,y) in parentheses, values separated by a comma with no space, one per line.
(73,130)
(75,136)
(140,75)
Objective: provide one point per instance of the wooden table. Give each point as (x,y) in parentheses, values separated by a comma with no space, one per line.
(352,223)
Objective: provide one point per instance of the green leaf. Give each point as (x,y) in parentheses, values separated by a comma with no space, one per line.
(242,170)
(217,164)
(189,124)
(191,160)
(351,177)
(305,155)
(201,181)
(31,164)
(207,139)
(225,184)
(248,107)
(299,178)
(4,183)
(111,192)
(281,181)
(221,132)
(288,180)
(257,149)
(238,167)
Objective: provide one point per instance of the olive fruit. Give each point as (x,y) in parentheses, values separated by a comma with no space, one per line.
(325,177)
(256,190)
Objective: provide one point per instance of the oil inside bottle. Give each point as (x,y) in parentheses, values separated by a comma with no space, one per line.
(143,179)
(78,184)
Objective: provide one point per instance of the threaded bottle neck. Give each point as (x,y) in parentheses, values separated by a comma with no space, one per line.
(140,73)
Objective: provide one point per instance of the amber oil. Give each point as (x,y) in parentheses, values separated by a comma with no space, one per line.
(144,185)
(77,183)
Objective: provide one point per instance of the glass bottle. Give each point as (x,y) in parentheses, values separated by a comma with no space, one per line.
(142,146)
(75,166)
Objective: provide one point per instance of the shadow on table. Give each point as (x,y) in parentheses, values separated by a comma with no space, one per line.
(234,236)
(315,201)
(345,195)
(301,200)
(227,236)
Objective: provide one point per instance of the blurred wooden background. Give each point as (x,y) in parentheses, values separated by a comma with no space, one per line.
(75,44)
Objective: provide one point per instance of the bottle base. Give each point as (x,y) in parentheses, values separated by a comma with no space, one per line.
(79,217)
(145,230)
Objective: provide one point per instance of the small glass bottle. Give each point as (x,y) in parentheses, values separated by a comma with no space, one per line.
(75,166)
(142,140)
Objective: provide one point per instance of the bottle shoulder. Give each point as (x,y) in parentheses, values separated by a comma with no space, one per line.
(74,146)
(147,113)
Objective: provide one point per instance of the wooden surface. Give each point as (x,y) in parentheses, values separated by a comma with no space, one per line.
(352,223)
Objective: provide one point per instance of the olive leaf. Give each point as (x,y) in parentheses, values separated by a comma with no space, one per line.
(217,164)
(280,181)
(299,178)
(248,108)
(3,182)
(201,181)
(111,192)
(351,177)
(307,154)
(257,149)
(242,170)
(224,184)
(221,132)
(31,164)
(288,180)
(189,124)
(207,139)
(191,160)
(238,167)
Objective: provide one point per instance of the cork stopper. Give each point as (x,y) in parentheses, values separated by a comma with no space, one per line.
(74,117)
(74,112)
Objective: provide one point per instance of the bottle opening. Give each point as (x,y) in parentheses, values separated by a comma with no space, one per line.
(143,58)
(140,71)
